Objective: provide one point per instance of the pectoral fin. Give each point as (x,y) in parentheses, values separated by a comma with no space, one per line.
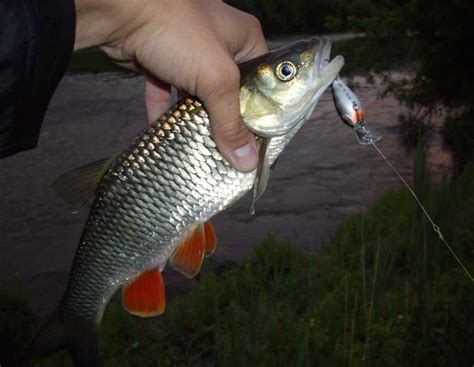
(144,296)
(263,173)
(188,257)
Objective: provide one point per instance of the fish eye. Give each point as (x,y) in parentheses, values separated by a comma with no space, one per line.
(286,70)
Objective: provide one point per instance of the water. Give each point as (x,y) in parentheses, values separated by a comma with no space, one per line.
(323,177)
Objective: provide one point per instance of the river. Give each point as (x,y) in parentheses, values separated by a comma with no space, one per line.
(323,177)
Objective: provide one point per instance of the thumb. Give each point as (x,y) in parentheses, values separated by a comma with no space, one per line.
(235,142)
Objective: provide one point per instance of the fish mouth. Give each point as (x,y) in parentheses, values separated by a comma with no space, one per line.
(325,69)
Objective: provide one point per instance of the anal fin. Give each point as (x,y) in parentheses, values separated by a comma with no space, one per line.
(144,296)
(188,256)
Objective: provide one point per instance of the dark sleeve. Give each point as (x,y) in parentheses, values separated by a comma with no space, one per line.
(36,42)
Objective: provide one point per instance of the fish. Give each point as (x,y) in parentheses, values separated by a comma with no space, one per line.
(153,202)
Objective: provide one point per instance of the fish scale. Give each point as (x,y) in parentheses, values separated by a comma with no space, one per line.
(171,179)
(135,223)
(147,231)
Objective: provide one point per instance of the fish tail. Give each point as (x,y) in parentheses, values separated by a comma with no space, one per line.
(60,333)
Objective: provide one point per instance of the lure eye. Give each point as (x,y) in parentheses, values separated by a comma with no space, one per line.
(286,71)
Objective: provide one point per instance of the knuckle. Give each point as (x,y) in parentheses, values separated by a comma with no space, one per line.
(254,23)
(221,80)
(232,133)
(255,34)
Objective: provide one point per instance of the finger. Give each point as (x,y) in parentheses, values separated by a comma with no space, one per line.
(241,32)
(177,94)
(220,94)
(253,43)
(157,97)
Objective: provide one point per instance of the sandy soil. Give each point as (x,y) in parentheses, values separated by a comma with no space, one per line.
(323,177)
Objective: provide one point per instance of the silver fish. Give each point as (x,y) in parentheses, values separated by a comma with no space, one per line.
(161,190)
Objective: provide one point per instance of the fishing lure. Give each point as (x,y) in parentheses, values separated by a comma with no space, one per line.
(349,108)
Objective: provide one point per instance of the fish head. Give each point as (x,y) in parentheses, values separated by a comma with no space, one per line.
(280,89)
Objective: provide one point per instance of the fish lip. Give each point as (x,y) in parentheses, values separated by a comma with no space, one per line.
(321,51)
(325,53)
(331,70)
(325,71)
(323,66)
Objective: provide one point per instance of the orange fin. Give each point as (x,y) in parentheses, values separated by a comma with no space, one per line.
(144,296)
(211,240)
(188,256)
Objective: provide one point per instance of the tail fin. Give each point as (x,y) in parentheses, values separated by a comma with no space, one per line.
(58,333)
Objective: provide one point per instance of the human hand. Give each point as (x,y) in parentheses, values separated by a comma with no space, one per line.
(191,44)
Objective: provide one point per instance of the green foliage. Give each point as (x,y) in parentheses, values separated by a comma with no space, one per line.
(385,291)
(282,17)
(17,323)
(459,134)
(431,42)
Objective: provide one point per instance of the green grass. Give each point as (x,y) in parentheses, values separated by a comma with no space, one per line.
(384,292)
(17,322)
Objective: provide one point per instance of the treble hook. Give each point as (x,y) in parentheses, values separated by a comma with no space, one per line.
(350,110)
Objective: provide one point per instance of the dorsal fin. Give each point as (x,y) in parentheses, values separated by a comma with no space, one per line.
(144,296)
(188,256)
(78,186)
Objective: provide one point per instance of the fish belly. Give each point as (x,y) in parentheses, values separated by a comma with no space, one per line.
(171,178)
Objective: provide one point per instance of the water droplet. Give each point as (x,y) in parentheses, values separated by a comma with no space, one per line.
(75,211)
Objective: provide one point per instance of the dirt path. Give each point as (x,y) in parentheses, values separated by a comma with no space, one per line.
(323,177)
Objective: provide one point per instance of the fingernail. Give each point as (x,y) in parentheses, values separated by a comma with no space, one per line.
(245,158)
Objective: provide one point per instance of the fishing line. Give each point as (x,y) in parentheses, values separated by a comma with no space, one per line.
(350,111)
(433,224)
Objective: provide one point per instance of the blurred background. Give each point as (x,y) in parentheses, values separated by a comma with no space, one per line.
(338,267)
